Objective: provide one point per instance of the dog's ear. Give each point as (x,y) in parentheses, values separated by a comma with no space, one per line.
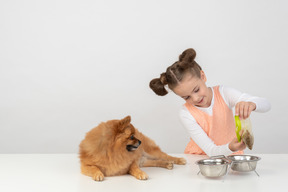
(125,121)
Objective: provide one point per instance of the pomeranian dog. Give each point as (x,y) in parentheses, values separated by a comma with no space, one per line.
(116,147)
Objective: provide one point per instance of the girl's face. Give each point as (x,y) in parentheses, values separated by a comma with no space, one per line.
(194,90)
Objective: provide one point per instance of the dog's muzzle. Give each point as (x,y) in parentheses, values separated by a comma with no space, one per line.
(133,147)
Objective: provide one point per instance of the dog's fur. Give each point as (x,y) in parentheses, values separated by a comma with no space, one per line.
(116,147)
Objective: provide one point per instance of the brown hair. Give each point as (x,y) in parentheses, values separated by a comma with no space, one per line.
(175,73)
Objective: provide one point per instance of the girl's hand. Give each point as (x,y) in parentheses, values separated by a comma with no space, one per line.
(243,109)
(234,145)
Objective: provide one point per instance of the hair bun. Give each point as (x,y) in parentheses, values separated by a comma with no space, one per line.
(163,78)
(188,55)
(158,85)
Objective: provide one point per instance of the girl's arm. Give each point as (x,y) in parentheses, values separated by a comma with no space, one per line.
(200,137)
(233,96)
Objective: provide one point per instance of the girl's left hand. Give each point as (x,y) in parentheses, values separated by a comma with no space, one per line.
(243,109)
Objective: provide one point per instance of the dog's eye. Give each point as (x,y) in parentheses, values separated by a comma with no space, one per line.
(132,137)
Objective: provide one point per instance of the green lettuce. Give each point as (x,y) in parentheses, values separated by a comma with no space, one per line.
(238,128)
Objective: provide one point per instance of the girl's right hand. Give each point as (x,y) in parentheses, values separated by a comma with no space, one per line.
(235,145)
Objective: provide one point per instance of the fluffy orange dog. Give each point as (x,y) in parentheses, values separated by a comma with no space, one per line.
(116,147)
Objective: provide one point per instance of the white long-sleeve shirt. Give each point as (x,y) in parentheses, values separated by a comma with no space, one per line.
(231,97)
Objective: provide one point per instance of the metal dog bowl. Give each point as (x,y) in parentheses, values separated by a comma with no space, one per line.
(244,163)
(213,167)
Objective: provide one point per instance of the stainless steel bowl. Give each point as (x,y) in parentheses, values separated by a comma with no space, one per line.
(213,167)
(243,163)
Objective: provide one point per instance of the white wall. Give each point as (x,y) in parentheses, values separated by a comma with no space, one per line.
(66,66)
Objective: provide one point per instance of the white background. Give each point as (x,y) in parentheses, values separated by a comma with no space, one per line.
(66,66)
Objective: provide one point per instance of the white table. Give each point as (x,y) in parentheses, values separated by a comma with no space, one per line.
(61,172)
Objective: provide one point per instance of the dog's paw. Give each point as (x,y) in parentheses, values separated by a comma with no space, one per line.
(141,176)
(169,165)
(98,176)
(181,161)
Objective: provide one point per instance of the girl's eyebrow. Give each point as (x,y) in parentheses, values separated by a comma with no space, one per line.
(194,88)
(191,92)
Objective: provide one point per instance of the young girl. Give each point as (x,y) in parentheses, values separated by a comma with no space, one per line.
(207,114)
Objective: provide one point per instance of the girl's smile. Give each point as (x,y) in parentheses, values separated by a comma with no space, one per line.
(201,101)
